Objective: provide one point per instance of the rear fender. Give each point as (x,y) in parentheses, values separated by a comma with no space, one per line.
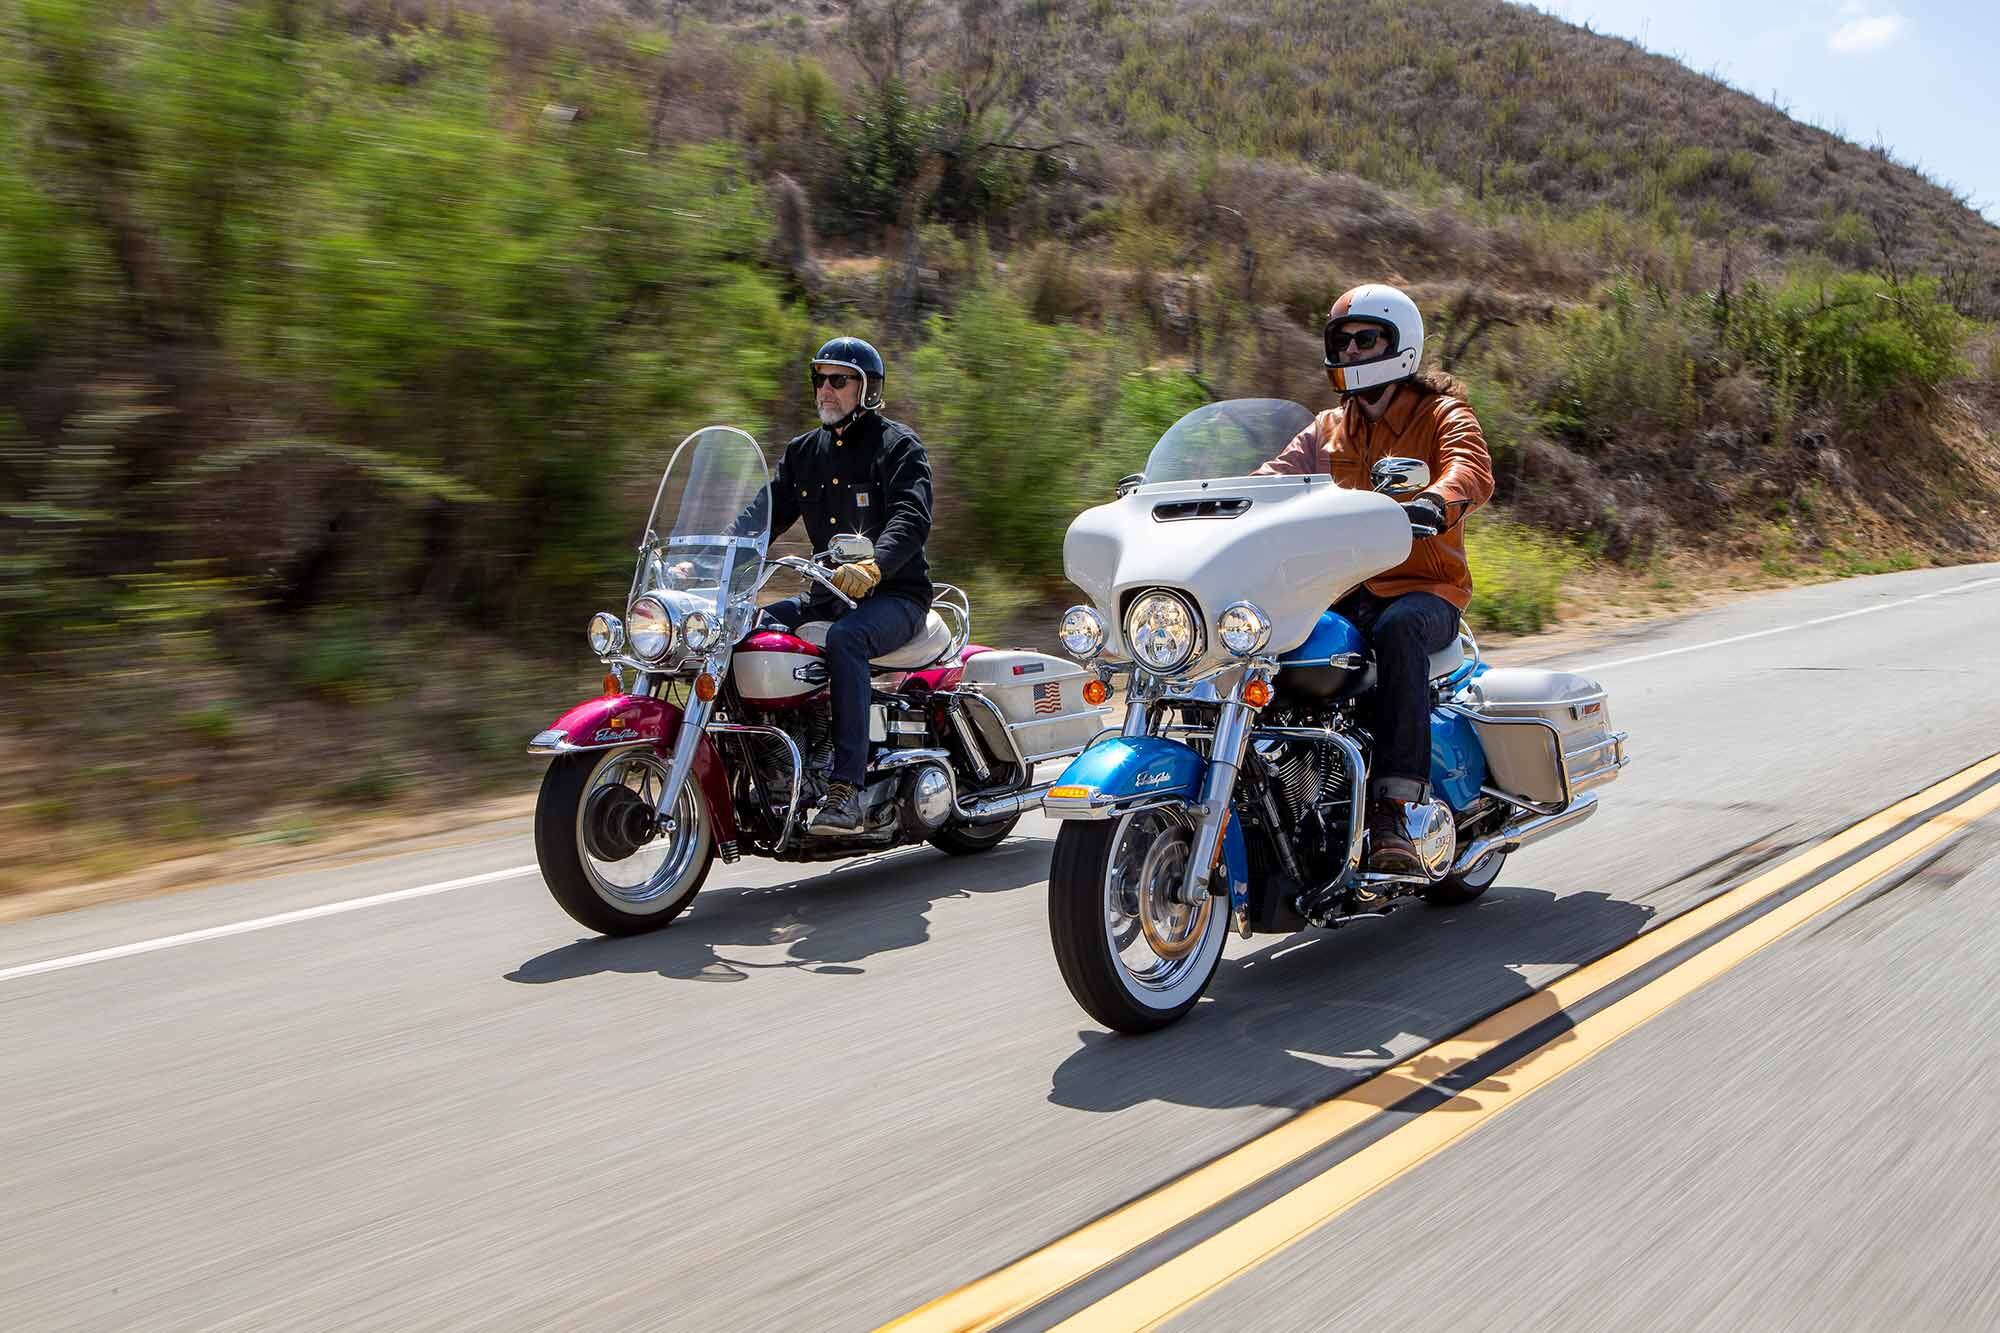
(614,720)
(1120,773)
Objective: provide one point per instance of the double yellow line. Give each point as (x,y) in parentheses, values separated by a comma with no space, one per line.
(1157,1293)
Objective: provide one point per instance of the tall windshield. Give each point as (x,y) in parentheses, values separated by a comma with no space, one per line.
(713,511)
(1228,439)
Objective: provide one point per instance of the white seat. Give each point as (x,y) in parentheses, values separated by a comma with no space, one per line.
(1448,658)
(1443,662)
(918,653)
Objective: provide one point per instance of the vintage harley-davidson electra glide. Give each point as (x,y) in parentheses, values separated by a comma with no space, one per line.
(714,735)
(1235,790)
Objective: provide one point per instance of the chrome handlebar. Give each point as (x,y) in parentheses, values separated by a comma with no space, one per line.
(812,570)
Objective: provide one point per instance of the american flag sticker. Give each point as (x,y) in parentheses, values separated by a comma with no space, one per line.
(1048,697)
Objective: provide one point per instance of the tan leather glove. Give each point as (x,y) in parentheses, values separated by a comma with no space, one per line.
(858,579)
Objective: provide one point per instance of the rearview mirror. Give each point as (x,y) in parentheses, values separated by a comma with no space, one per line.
(850,548)
(1400,478)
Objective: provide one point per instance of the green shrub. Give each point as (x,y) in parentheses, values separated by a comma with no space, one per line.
(215,724)
(1855,337)
(1631,363)
(1031,424)
(1517,577)
(342,658)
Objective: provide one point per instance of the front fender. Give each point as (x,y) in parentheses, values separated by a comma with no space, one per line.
(613,720)
(1120,772)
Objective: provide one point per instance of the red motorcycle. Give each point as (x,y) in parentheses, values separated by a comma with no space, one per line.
(714,736)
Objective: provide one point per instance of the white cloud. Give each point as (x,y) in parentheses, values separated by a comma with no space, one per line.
(1866,33)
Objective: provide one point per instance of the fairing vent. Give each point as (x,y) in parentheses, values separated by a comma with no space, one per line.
(1175,511)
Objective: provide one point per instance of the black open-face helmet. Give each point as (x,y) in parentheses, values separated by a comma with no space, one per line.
(861,358)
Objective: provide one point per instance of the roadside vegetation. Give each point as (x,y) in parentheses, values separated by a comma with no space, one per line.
(340,343)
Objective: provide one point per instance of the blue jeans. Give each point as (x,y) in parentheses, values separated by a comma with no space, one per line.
(1404,631)
(881,623)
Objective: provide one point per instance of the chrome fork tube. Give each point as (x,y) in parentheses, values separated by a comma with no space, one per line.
(1232,733)
(1138,708)
(693,723)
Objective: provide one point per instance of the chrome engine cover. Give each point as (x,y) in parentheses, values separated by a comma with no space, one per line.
(1433,831)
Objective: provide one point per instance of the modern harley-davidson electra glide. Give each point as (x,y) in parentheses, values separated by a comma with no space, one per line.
(1235,791)
(714,734)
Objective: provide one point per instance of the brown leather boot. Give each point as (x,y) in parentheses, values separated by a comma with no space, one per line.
(1390,851)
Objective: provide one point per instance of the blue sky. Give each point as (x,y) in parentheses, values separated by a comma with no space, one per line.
(1923,78)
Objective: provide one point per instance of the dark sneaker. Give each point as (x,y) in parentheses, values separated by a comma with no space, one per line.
(840,812)
(1390,850)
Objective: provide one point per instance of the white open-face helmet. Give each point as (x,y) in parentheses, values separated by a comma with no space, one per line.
(1388,307)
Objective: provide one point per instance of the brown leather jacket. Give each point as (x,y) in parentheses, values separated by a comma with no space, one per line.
(1437,428)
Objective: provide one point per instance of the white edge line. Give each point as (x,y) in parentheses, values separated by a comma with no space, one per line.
(446,886)
(258,923)
(1784,629)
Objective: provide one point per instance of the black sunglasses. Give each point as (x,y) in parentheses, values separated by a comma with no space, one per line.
(839,379)
(1364,340)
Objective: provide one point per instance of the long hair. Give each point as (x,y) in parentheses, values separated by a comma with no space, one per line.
(1438,382)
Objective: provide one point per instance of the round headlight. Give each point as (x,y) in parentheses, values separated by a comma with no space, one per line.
(652,629)
(1161,631)
(1082,632)
(700,631)
(607,635)
(1243,628)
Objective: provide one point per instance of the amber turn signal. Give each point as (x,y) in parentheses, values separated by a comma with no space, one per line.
(1257,693)
(704,687)
(1095,692)
(613,685)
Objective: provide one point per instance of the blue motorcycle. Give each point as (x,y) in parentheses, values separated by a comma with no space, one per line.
(1234,791)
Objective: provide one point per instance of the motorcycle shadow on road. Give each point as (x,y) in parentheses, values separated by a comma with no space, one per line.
(1300,1019)
(823,922)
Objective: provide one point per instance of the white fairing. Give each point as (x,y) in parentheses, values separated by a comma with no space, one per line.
(1299,546)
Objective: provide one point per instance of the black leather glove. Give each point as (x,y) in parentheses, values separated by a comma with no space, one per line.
(1426,516)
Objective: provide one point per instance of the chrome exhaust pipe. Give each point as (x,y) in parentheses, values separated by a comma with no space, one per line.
(1003,807)
(1516,836)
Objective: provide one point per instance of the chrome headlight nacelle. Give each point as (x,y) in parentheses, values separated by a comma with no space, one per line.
(1163,631)
(653,629)
(1082,633)
(607,634)
(1243,628)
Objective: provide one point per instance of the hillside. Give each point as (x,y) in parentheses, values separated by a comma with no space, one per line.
(340,343)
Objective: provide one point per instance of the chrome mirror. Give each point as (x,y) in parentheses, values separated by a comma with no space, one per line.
(1399,478)
(851,548)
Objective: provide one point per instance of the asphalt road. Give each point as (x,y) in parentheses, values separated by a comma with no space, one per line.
(822,1099)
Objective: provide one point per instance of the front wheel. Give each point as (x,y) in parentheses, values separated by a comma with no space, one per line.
(1133,957)
(605,860)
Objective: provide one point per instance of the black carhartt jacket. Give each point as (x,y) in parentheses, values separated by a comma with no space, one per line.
(875,479)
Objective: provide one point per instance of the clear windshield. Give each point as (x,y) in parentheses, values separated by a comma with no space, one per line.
(1229,439)
(713,512)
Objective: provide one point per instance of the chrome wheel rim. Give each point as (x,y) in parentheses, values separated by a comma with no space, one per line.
(651,877)
(1156,938)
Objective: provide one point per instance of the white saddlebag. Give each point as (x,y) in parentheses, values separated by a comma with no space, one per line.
(1538,727)
(1042,714)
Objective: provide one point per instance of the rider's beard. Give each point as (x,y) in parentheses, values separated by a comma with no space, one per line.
(829,415)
